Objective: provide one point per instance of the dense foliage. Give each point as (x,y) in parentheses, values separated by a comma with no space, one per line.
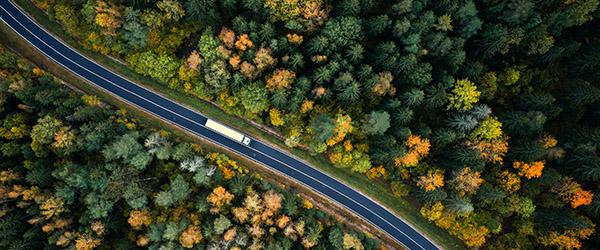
(76,174)
(486,110)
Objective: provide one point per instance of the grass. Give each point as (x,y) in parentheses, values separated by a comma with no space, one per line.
(376,190)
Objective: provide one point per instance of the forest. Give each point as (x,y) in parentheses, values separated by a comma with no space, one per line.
(76,173)
(487,111)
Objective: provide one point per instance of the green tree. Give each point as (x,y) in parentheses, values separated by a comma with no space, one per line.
(376,123)
(133,32)
(221,224)
(336,237)
(322,127)
(340,31)
(254,98)
(160,67)
(202,10)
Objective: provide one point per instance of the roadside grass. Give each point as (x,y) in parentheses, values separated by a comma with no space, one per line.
(376,190)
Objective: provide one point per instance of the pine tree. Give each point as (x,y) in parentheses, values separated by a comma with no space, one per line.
(413,97)
(523,123)
(202,10)
(463,122)
(458,205)
(376,123)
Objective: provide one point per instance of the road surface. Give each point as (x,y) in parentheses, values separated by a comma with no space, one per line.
(193,122)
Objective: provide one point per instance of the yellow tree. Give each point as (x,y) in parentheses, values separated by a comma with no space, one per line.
(280,79)
(190,236)
(295,38)
(529,170)
(276,117)
(384,85)
(492,150)
(432,180)
(463,95)
(466,181)
(343,126)
(219,198)
(509,182)
(108,18)
(571,192)
(86,242)
(263,59)
(139,218)
(243,42)
(227,37)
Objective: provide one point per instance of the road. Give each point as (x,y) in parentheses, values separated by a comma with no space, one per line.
(193,122)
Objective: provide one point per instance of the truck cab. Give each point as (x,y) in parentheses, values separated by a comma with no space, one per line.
(246,141)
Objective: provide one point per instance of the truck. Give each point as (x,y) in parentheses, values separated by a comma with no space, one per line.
(227,131)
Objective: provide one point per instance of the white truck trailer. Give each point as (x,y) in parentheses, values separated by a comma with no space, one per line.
(227,131)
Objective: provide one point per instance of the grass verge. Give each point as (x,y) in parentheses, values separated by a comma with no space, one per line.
(376,190)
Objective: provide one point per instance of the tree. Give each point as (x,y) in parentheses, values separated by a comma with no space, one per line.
(43,132)
(463,95)
(172,10)
(272,201)
(492,150)
(190,236)
(67,15)
(254,98)
(160,67)
(400,189)
(348,88)
(129,150)
(459,205)
(133,32)
(192,164)
(179,189)
(336,237)
(376,123)
(208,44)
(343,126)
(323,127)
(221,224)
(350,241)
(219,198)
(384,85)
(529,170)
(281,78)
(139,218)
(466,181)
(201,10)
(494,39)
(284,10)
(276,117)
(523,123)
(571,192)
(509,182)
(108,18)
(489,129)
(340,31)
(431,181)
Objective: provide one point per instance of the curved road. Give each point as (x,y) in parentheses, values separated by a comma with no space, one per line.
(193,122)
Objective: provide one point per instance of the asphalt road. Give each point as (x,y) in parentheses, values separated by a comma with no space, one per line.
(193,122)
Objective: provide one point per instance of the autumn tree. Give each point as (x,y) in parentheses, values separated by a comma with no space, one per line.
(219,198)
(529,170)
(465,181)
(281,78)
(108,18)
(463,95)
(571,192)
(432,180)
